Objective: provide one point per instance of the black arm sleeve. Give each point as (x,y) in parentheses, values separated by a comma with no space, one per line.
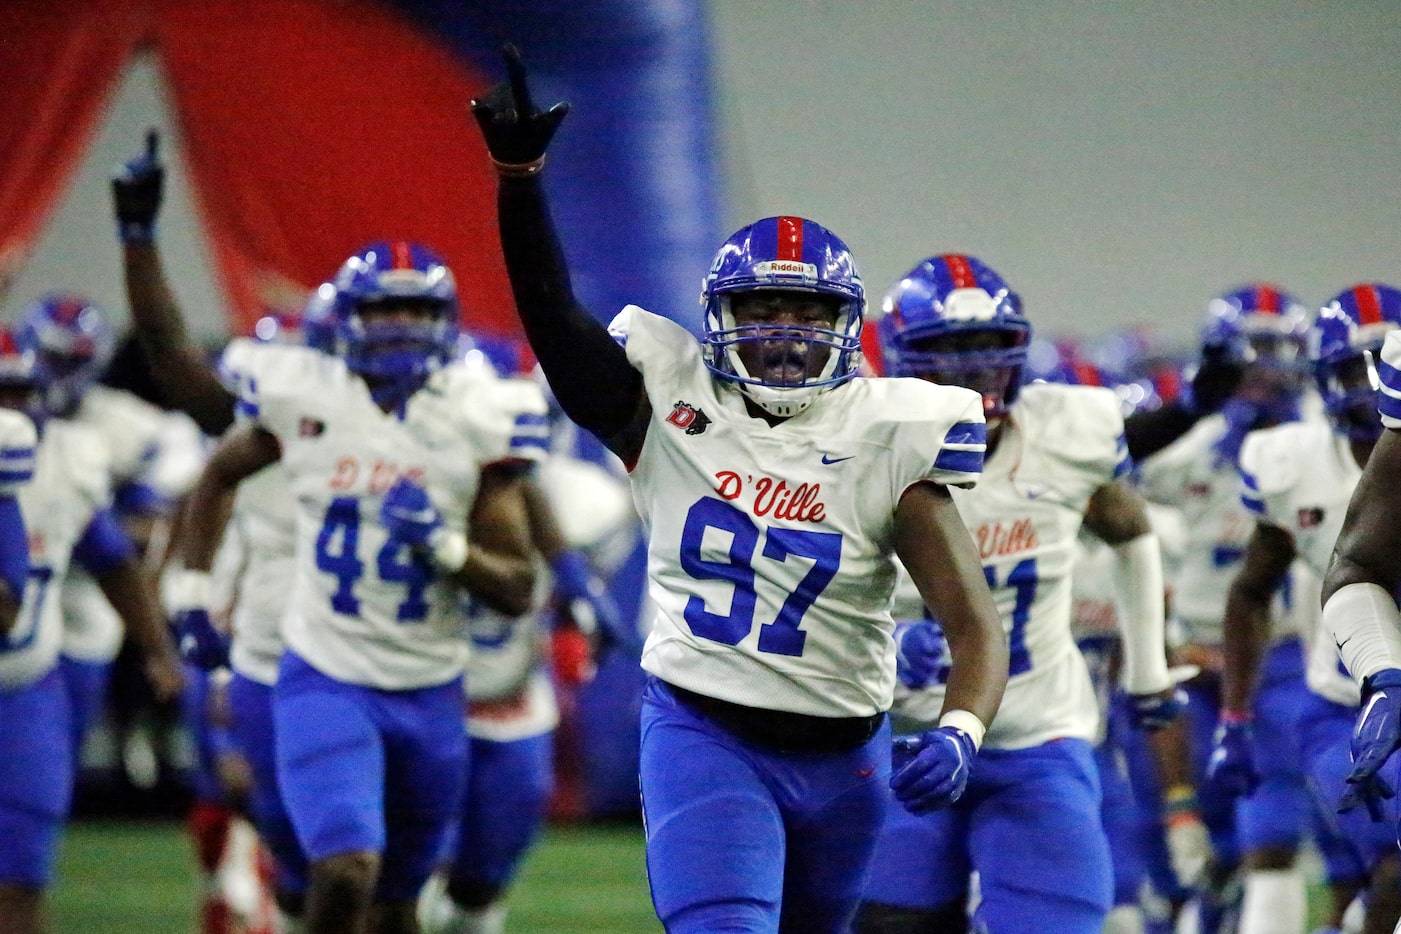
(1147,433)
(590,375)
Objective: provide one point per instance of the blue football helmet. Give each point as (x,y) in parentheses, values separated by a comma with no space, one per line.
(396,357)
(783,254)
(1345,349)
(954,294)
(319,319)
(19,377)
(72,342)
(1258,323)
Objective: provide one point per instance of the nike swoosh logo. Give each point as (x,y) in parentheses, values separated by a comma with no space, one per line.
(866,773)
(827,459)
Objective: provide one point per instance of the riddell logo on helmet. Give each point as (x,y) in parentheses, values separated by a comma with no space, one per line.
(783,267)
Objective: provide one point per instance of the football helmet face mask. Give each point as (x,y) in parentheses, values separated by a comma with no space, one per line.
(1345,350)
(952,319)
(71,342)
(789,346)
(395,310)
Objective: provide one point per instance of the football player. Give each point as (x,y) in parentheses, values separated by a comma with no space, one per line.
(392,453)
(775,486)
(66,512)
(1264,329)
(72,343)
(1055,457)
(1298,479)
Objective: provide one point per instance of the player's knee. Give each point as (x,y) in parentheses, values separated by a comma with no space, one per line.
(349,876)
(473,893)
(1271,857)
(878,918)
(729,917)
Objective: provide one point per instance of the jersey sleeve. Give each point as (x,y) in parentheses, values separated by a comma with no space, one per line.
(1389,373)
(17,442)
(1090,426)
(1269,469)
(946,439)
(523,404)
(236,365)
(275,380)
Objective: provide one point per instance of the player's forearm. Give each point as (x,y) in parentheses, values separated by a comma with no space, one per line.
(590,375)
(1245,632)
(504,582)
(205,515)
(1147,433)
(1139,593)
(978,675)
(133,596)
(186,380)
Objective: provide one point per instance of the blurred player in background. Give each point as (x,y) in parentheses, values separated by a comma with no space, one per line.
(66,512)
(151,464)
(774,487)
(392,453)
(1298,479)
(1055,455)
(1263,330)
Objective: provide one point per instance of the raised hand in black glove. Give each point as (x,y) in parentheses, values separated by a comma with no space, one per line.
(516,133)
(136,192)
(1216,379)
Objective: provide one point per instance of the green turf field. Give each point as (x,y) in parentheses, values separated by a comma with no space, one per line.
(118,877)
(135,878)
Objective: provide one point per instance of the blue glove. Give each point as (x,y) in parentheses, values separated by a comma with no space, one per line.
(1375,737)
(590,604)
(200,643)
(920,651)
(1153,712)
(136,193)
(1231,769)
(409,514)
(931,770)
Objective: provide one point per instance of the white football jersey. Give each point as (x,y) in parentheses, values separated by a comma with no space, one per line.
(769,548)
(1389,403)
(147,447)
(1189,475)
(1300,477)
(365,609)
(263,523)
(69,485)
(1060,444)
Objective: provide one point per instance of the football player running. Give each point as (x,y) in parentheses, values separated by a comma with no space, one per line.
(65,515)
(775,486)
(1298,480)
(1263,328)
(1055,456)
(392,454)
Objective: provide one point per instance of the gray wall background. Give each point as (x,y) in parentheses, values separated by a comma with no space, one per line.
(1119,163)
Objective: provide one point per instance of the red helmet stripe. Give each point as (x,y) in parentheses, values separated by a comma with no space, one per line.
(400,256)
(790,239)
(961,271)
(1369,303)
(1267,300)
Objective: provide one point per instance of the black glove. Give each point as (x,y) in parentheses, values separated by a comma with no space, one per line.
(1216,379)
(136,193)
(516,133)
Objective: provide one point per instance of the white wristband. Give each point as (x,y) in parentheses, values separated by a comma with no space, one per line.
(967,722)
(449,550)
(188,589)
(1366,627)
